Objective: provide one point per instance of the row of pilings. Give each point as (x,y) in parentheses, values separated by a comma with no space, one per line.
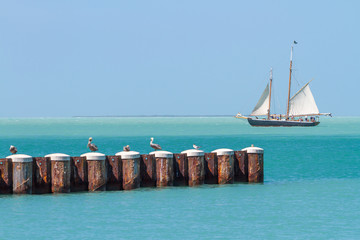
(61,173)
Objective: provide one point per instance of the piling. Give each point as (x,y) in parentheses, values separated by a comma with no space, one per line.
(60,172)
(41,175)
(96,171)
(211,168)
(114,173)
(240,166)
(164,168)
(147,170)
(22,173)
(5,176)
(225,165)
(130,169)
(196,170)
(79,176)
(180,169)
(255,156)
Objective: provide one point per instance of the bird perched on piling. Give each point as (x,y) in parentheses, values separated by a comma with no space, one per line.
(13,149)
(126,148)
(196,147)
(92,146)
(154,145)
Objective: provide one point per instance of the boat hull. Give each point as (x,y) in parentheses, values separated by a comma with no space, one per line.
(280,123)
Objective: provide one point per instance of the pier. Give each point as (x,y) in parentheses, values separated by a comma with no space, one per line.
(127,170)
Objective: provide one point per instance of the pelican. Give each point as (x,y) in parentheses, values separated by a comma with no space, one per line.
(196,147)
(92,146)
(126,148)
(13,149)
(154,145)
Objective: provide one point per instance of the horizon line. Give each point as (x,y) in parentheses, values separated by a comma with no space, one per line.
(153,115)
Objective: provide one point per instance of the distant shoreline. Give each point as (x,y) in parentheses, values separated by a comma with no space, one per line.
(142,116)
(155,116)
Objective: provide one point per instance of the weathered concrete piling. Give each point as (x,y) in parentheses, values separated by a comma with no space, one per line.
(164,168)
(255,158)
(96,171)
(60,172)
(130,169)
(196,170)
(126,170)
(22,173)
(225,159)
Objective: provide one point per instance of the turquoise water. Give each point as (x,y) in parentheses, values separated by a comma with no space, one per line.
(311,188)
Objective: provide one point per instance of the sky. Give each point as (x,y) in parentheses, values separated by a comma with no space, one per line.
(118,58)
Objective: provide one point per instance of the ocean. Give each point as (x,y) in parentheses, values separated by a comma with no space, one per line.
(311,188)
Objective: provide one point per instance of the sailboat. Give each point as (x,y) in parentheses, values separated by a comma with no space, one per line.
(301,109)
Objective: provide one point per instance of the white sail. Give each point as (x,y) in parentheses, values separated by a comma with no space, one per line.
(262,106)
(303,103)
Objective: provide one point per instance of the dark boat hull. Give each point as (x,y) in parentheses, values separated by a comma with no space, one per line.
(280,123)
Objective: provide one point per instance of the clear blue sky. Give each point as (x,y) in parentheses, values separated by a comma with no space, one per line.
(71,58)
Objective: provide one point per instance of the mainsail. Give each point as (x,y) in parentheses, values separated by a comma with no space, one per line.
(303,103)
(262,106)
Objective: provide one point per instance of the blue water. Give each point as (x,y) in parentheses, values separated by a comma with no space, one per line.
(311,188)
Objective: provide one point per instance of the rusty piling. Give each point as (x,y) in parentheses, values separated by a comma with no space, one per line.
(240,166)
(114,173)
(96,171)
(79,176)
(22,173)
(60,172)
(180,169)
(164,168)
(5,176)
(126,170)
(130,169)
(225,165)
(41,175)
(255,157)
(211,168)
(147,170)
(196,170)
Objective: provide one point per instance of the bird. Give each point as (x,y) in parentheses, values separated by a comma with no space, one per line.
(196,147)
(13,149)
(154,145)
(92,146)
(126,148)
(295,42)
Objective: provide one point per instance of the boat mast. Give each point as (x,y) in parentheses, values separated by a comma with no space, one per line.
(271,76)
(288,101)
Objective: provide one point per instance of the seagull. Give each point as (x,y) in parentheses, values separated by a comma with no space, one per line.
(92,146)
(196,147)
(154,145)
(13,149)
(126,148)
